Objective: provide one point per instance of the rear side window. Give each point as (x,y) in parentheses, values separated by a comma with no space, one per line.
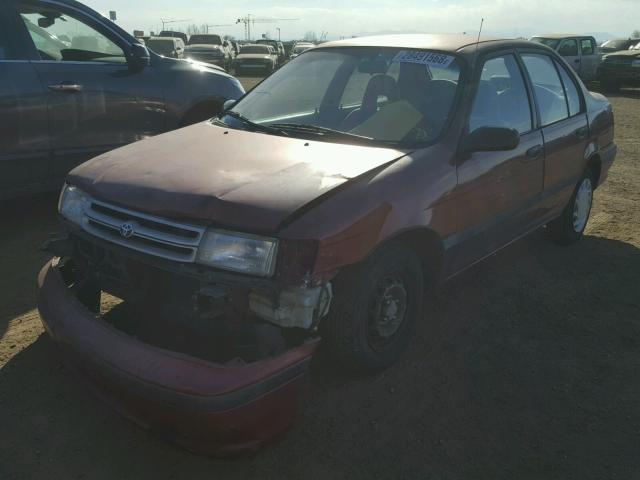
(501,99)
(587,46)
(547,87)
(571,92)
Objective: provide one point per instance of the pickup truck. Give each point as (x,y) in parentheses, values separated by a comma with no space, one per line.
(580,51)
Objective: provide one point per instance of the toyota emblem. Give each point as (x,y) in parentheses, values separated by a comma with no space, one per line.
(127,230)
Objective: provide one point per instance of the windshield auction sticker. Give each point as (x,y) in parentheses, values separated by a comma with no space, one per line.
(424,58)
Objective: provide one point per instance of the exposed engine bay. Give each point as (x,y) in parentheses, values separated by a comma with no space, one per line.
(229,320)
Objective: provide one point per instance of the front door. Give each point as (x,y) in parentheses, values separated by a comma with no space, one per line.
(498,190)
(95,101)
(24,130)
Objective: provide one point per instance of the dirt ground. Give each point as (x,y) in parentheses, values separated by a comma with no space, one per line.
(525,367)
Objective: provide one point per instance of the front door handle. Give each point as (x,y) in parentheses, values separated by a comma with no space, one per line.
(533,153)
(66,87)
(582,132)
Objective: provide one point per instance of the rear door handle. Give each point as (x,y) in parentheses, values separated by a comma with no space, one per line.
(533,153)
(66,87)
(582,133)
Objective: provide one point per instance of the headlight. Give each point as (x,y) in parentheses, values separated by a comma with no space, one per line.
(238,252)
(72,204)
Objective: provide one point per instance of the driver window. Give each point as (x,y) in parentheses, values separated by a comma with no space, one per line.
(60,37)
(501,99)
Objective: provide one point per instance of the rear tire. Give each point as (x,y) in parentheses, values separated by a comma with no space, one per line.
(375,308)
(569,227)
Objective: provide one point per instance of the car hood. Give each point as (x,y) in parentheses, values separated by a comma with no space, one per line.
(624,53)
(189,64)
(232,178)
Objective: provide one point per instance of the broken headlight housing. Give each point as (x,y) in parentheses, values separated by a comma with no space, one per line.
(238,252)
(72,204)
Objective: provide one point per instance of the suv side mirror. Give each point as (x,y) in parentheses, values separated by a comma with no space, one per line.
(228,105)
(492,139)
(139,57)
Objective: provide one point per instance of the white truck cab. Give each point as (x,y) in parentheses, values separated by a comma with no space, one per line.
(580,51)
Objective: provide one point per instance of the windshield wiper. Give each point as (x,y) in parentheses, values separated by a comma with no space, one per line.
(254,126)
(325,132)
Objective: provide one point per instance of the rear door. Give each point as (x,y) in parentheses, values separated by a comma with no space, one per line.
(564,126)
(95,101)
(590,59)
(568,49)
(24,129)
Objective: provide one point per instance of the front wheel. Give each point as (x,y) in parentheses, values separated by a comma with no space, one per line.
(375,308)
(569,227)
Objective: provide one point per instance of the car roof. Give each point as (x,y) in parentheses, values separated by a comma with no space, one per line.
(465,45)
(559,36)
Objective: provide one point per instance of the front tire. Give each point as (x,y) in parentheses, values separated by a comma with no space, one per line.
(569,227)
(375,308)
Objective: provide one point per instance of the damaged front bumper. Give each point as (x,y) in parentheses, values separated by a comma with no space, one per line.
(212,408)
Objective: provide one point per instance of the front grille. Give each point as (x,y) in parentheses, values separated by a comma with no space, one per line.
(148,234)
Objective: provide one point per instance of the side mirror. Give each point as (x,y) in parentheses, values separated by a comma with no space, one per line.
(492,139)
(228,105)
(139,57)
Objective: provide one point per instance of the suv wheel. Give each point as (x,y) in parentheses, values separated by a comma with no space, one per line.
(375,308)
(569,227)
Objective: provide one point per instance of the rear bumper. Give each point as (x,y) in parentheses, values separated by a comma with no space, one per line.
(207,408)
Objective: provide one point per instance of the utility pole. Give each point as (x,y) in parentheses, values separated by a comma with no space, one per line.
(278,28)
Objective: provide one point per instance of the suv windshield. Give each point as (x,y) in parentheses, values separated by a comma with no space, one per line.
(205,40)
(380,95)
(255,49)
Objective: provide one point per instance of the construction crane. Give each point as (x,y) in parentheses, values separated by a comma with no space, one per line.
(249,20)
(167,22)
(206,27)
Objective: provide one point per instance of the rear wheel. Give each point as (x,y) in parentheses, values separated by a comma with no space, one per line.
(569,227)
(375,308)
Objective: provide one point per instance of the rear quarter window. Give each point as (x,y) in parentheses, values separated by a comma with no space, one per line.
(547,87)
(571,90)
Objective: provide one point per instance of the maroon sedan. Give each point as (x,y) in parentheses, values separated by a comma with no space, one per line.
(198,270)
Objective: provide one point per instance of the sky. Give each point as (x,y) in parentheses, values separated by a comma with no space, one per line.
(344,18)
